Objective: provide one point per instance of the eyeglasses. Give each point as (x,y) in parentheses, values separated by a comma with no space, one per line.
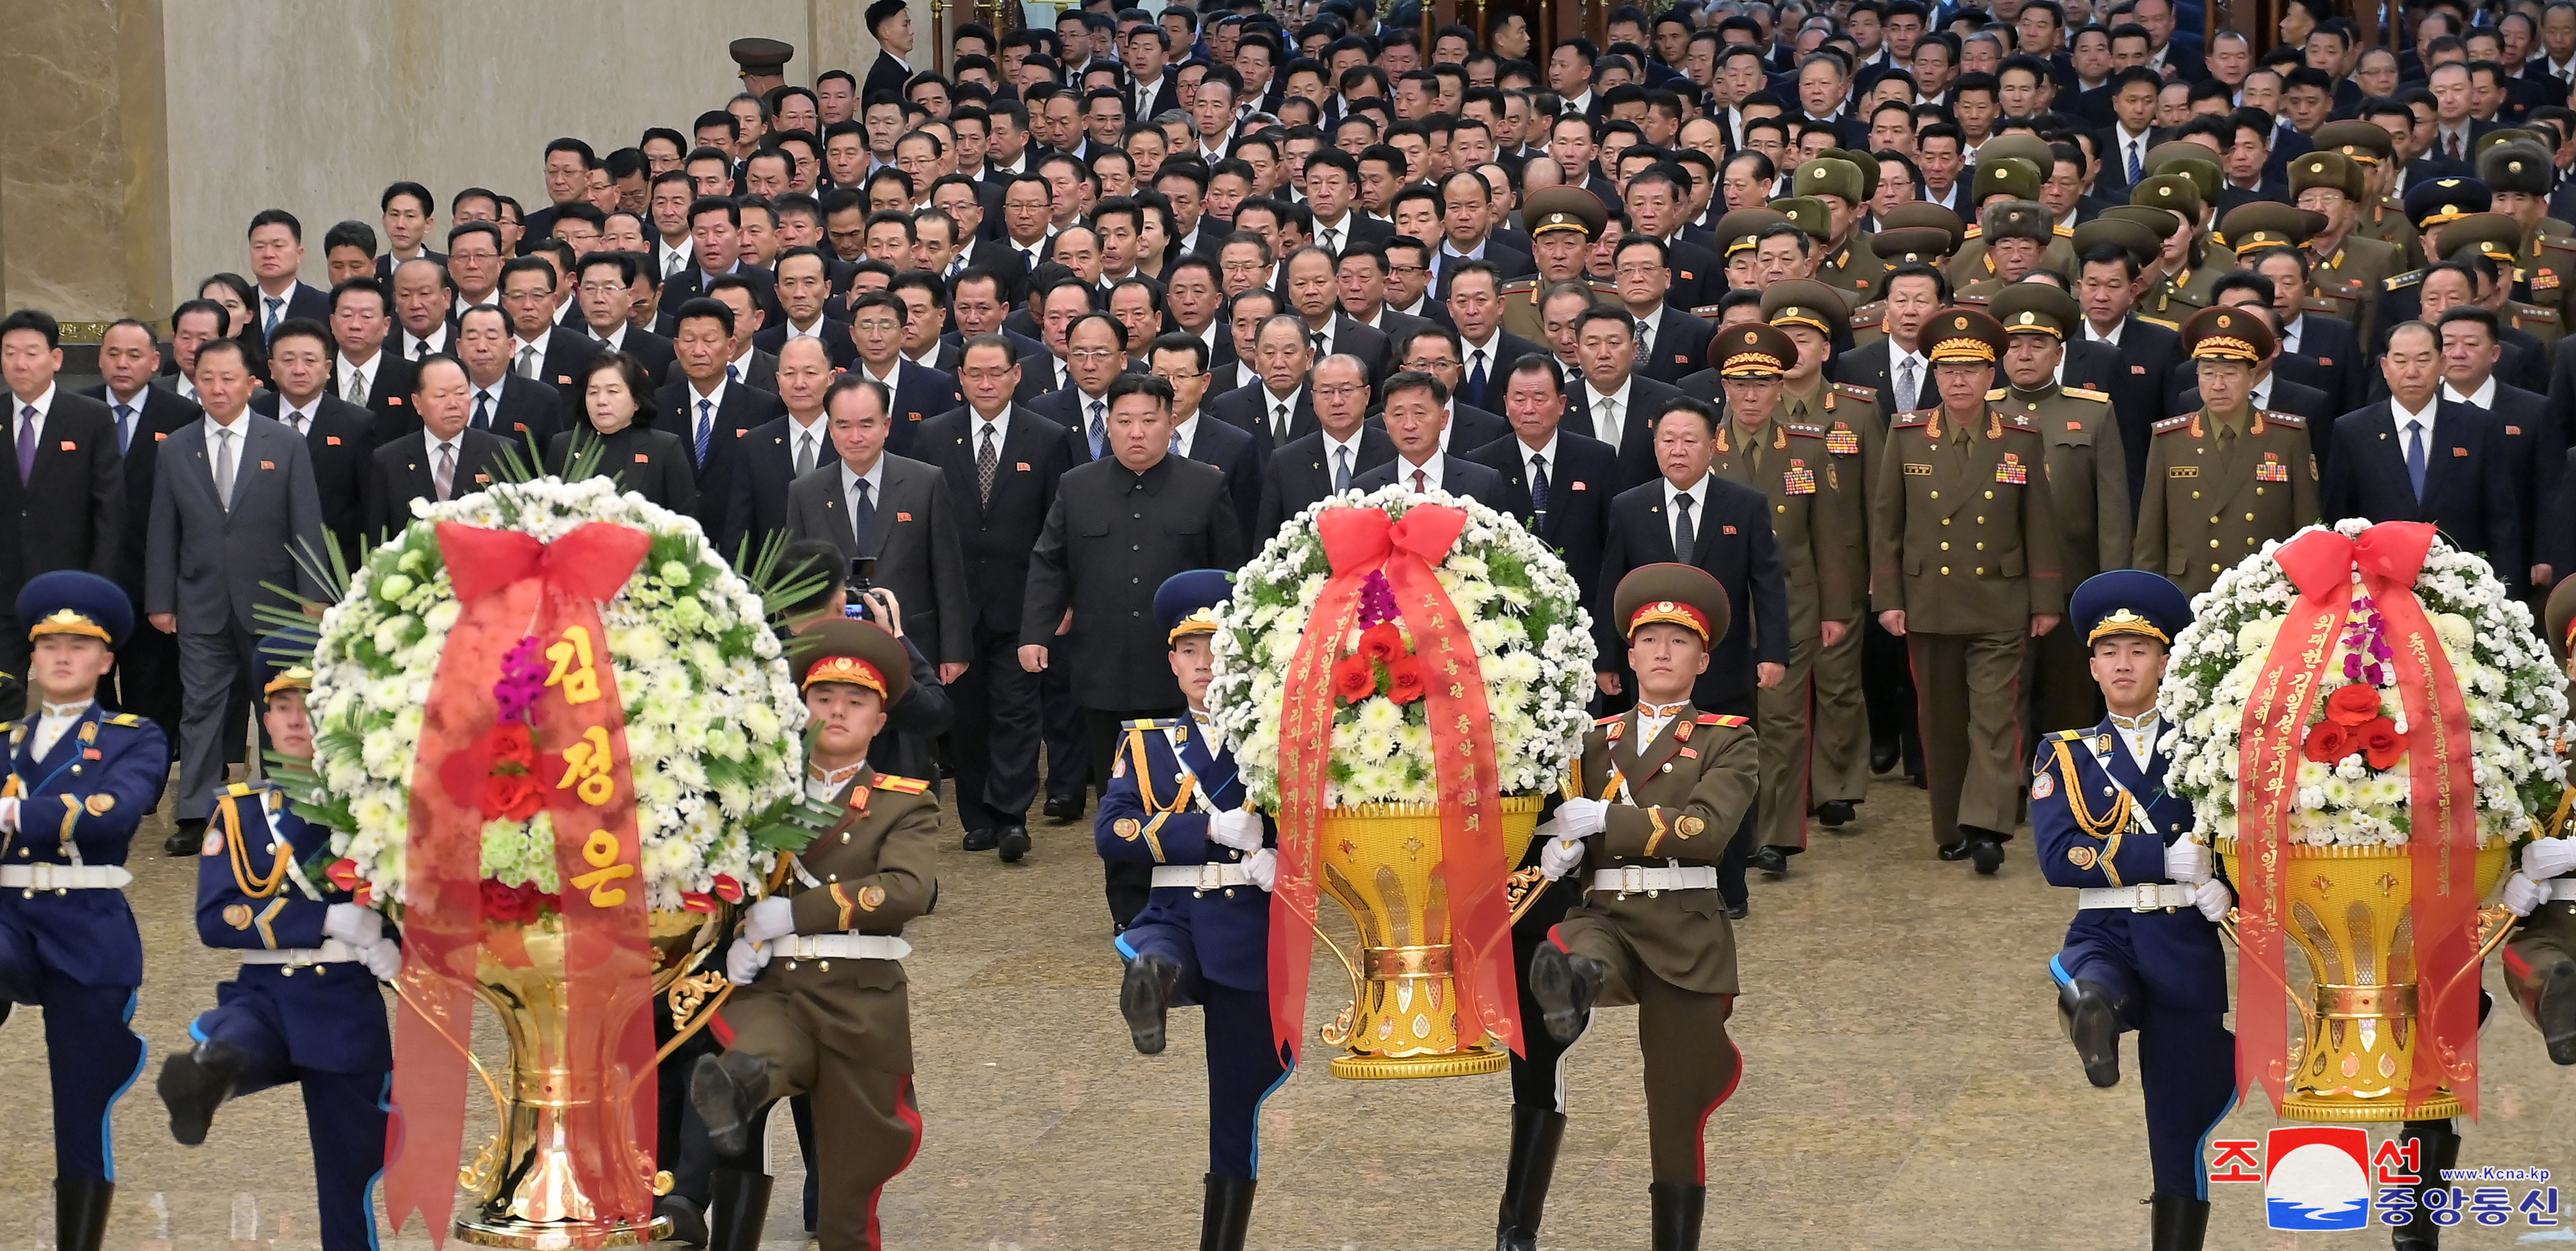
(1089,355)
(1177,375)
(1338,389)
(1433,365)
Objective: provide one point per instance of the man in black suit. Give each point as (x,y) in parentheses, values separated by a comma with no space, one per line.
(1475,304)
(890,24)
(605,291)
(1181,360)
(2109,253)
(1005,462)
(1673,344)
(147,667)
(444,459)
(1361,273)
(64,506)
(1612,403)
(515,408)
(1466,219)
(2327,343)
(715,228)
(1434,350)
(541,351)
(2417,456)
(748,365)
(1344,445)
(1557,482)
(1416,413)
(778,452)
(276,255)
(1118,527)
(804,286)
(338,435)
(869,502)
(919,392)
(711,415)
(978,302)
(1332,192)
(2535,445)
(362,371)
(1278,409)
(1315,297)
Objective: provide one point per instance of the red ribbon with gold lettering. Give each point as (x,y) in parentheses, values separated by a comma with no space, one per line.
(1357,542)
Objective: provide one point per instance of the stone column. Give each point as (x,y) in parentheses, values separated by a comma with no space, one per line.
(84,171)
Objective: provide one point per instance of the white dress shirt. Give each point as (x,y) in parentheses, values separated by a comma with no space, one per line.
(1698,494)
(1338,447)
(1273,407)
(520,349)
(1530,457)
(1610,425)
(44,406)
(2483,398)
(299,420)
(357,378)
(412,344)
(742,366)
(2139,735)
(2092,335)
(54,721)
(1430,471)
(1186,435)
(799,431)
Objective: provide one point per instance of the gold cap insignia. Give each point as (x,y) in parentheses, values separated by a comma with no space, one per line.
(2029,318)
(1556,219)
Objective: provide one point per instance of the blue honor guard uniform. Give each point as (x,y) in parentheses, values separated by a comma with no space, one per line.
(80,780)
(2141,954)
(305,1008)
(1175,803)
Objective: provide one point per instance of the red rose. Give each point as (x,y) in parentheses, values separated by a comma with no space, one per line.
(2352,705)
(2328,742)
(1354,679)
(511,796)
(509,904)
(2381,744)
(1381,641)
(1404,679)
(514,744)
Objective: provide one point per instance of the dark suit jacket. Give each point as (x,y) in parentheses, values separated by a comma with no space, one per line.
(530,412)
(71,512)
(341,440)
(1582,479)
(1248,409)
(915,540)
(1647,399)
(1508,262)
(1110,539)
(739,409)
(1008,264)
(1232,448)
(1296,475)
(2333,349)
(643,461)
(651,350)
(886,74)
(835,333)
(389,386)
(764,467)
(1458,476)
(212,566)
(2536,450)
(385,264)
(160,414)
(2148,355)
(998,533)
(2468,487)
(1508,349)
(920,393)
(1371,347)
(301,301)
(1736,547)
(1698,276)
(1680,347)
(567,351)
(401,473)
(690,283)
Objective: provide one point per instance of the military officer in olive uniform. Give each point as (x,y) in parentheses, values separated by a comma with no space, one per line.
(1562,222)
(2185,282)
(2088,472)
(2345,267)
(1964,567)
(2497,238)
(2540,961)
(2017,221)
(1662,784)
(1813,510)
(2005,179)
(1850,264)
(2379,215)
(2432,205)
(1913,233)
(2521,175)
(2223,480)
(822,1008)
(1737,235)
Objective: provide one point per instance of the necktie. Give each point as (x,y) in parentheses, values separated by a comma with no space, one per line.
(1610,422)
(482,410)
(2136,171)
(1476,380)
(2453,141)
(1099,431)
(863,516)
(1908,386)
(706,429)
(224,462)
(1278,422)
(1341,470)
(732,375)
(124,426)
(528,361)
(277,307)
(1318,337)
(356,391)
(1421,483)
(1685,539)
(420,349)
(804,451)
(1538,488)
(1176,443)
(984,462)
(1332,240)
(443,476)
(2415,458)
(26,443)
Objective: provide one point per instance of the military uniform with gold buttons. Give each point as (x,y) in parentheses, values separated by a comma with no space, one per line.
(2218,488)
(2348,275)
(2497,237)
(1546,212)
(1914,233)
(1853,266)
(1854,440)
(2175,296)
(2013,219)
(1963,540)
(2380,216)
(829,1015)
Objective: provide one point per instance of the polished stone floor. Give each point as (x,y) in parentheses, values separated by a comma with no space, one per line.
(1905,1087)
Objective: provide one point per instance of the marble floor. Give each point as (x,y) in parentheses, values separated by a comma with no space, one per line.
(1905,1087)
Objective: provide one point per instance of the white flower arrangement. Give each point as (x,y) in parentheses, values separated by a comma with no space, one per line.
(2511,686)
(1533,645)
(712,717)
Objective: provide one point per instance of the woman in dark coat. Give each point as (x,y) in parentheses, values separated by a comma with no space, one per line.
(616,399)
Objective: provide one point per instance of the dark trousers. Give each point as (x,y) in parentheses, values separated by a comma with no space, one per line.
(994,747)
(2186,1056)
(1128,885)
(1068,755)
(344,1113)
(217,672)
(1243,1065)
(1691,1066)
(1887,681)
(145,680)
(15,648)
(91,1055)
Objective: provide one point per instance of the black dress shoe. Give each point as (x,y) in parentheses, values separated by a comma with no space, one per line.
(980,840)
(688,1224)
(1834,813)
(1145,999)
(1014,843)
(1063,810)
(1883,756)
(1771,860)
(194,1083)
(1954,851)
(2091,1019)
(729,1091)
(187,840)
(1989,855)
(1738,910)
(1565,986)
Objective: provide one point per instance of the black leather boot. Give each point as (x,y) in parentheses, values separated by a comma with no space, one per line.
(2553,1009)
(1985,847)
(729,1091)
(2437,1148)
(1677,1211)
(688,1223)
(737,1206)
(1536,1134)
(1145,998)
(80,1212)
(2180,1223)
(1565,986)
(1227,1215)
(2091,1019)
(194,1083)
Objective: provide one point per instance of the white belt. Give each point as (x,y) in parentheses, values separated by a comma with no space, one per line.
(2144,897)
(59,877)
(839,947)
(332,951)
(1201,876)
(1638,879)
(2561,888)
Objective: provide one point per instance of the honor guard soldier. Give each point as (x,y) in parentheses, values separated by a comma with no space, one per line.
(822,1008)
(80,780)
(2378,214)
(2345,266)
(1176,803)
(2223,480)
(2184,287)
(1849,264)
(2540,961)
(1562,222)
(305,1007)
(2088,471)
(2017,238)
(2142,953)
(1964,568)
(2432,205)
(1664,783)
(1814,510)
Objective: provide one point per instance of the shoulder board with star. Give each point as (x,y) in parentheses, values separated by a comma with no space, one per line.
(2558,241)
(901,786)
(1518,285)
(2158,321)
(2018,422)
(1613,719)
(1712,718)
(2068,736)
(1803,430)
(1910,419)
(2321,304)
(1974,230)
(1858,393)
(1996,394)
(2292,420)
(1869,315)
(2087,393)
(1708,312)
(2402,281)
(2533,312)
(2064,232)
(2171,424)
(1972,301)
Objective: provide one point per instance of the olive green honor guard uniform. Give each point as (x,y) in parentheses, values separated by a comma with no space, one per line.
(2217,490)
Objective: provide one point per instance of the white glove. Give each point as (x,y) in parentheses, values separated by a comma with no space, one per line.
(773,917)
(2187,861)
(1262,867)
(354,925)
(744,961)
(2521,894)
(2545,858)
(1237,829)
(383,959)
(2213,899)
(1578,818)
(1559,857)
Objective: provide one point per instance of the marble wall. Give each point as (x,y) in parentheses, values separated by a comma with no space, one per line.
(84,170)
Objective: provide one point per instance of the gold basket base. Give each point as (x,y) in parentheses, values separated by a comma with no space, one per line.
(2348,1110)
(531,1236)
(1460,1064)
